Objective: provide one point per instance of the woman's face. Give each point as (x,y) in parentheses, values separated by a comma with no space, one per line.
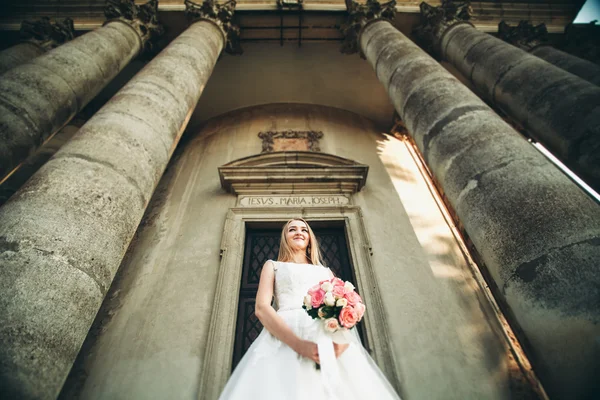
(297,235)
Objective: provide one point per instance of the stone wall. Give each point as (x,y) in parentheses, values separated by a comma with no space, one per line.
(149,338)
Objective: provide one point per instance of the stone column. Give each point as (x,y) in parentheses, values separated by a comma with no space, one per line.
(38,37)
(34,162)
(558,109)
(533,39)
(41,96)
(536,231)
(63,235)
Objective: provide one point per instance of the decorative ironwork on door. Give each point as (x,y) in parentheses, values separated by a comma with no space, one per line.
(262,245)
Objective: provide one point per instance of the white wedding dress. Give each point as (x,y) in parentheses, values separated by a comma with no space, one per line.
(270,370)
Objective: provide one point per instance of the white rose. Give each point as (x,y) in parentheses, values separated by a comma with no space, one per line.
(327,286)
(341,303)
(308,301)
(331,325)
(348,286)
(329,299)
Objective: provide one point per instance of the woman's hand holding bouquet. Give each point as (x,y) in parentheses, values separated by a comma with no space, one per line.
(335,303)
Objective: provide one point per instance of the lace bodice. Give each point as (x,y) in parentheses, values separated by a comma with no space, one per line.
(292,282)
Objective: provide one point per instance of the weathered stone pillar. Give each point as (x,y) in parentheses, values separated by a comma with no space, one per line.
(41,96)
(63,235)
(34,162)
(536,231)
(558,109)
(533,39)
(38,37)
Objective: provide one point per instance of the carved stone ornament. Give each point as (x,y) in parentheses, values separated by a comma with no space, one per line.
(46,34)
(525,35)
(436,20)
(359,15)
(143,18)
(289,4)
(222,15)
(311,138)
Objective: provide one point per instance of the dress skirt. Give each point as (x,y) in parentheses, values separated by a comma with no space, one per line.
(270,370)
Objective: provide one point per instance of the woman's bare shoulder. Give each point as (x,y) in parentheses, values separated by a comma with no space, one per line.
(271,264)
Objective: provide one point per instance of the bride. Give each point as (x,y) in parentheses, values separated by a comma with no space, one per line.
(280,364)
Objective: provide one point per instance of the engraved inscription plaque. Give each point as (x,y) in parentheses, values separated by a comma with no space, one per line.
(294,201)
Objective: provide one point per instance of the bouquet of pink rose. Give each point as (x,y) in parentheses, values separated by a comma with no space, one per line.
(335,303)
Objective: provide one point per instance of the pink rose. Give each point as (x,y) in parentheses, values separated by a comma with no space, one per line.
(360,310)
(338,291)
(331,325)
(348,317)
(317,297)
(353,298)
(314,288)
(337,282)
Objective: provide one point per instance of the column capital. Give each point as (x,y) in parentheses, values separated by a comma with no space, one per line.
(435,21)
(525,35)
(222,16)
(47,34)
(359,15)
(143,18)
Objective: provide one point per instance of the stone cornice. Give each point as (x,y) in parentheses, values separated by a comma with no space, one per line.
(47,34)
(525,35)
(435,21)
(358,16)
(222,16)
(287,172)
(142,18)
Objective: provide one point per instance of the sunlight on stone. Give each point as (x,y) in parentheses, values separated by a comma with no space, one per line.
(428,223)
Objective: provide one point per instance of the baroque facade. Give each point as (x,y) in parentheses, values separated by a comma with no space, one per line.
(149,154)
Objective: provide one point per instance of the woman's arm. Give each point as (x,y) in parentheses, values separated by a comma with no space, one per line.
(273,322)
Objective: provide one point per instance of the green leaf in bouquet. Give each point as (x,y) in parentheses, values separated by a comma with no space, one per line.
(327,311)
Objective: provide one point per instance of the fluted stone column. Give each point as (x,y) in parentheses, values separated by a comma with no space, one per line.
(558,109)
(536,231)
(38,37)
(533,39)
(41,96)
(63,235)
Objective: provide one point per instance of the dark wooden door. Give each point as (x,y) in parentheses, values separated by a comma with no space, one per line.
(262,245)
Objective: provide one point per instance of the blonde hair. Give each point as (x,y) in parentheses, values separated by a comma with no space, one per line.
(312,251)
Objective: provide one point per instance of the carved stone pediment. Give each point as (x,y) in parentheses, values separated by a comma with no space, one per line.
(287,172)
